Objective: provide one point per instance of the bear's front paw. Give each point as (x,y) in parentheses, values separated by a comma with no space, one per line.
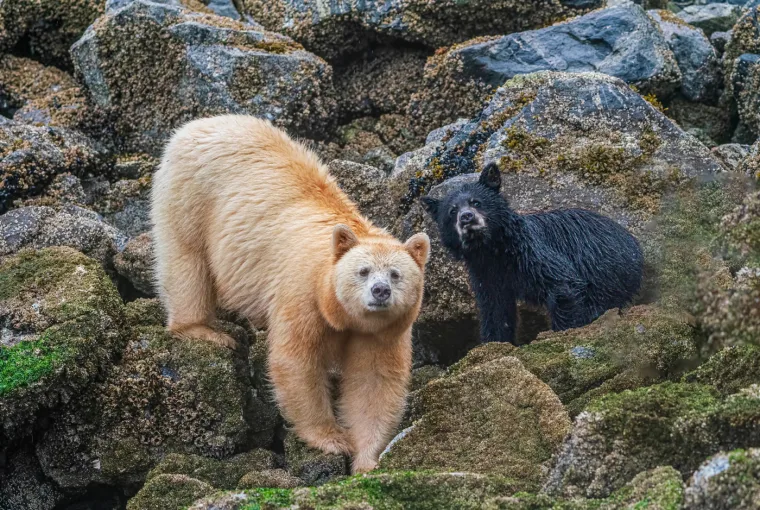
(333,441)
(363,464)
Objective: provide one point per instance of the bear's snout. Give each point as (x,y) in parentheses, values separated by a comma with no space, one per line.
(381,291)
(466,218)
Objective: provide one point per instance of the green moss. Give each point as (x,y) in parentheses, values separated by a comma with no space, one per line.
(734,484)
(222,474)
(28,362)
(729,370)
(169,492)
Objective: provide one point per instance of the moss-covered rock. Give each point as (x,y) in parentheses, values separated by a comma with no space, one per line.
(167,395)
(340,30)
(169,492)
(380,491)
(61,320)
(729,370)
(726,481)
(152,67)
(48,27)
(222,474)
(492,418)
(732,316)
(674,424)
(312,466)
(269,478)
(30,157)
(135,263)
(750,165)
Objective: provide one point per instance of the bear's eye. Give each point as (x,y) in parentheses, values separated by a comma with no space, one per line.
(395,275)
(364,272)
(452,211)
(475,203)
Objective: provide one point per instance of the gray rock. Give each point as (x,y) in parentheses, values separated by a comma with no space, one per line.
(30,157)
(41,227)
(224,8)
(731,154)
(621,41)
(152,67)
(367,186)
(720,40)
(338,28)
(135,263)
(745,86)
(696,57)
(438,135)
(726,481)
(23,485)
(717,17)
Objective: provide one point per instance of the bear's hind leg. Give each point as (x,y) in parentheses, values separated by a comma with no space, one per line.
(373,393)
(299,368)
(187,292)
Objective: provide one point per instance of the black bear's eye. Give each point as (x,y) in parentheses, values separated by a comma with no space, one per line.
(364,272)
(395,275)
(475,203)
(452,211)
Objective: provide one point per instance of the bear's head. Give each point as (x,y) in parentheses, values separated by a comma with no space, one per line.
(378,279)
(472,218)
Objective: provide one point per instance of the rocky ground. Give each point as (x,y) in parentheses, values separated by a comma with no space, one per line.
(649,114)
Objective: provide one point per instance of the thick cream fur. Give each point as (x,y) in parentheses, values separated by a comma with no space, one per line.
(249,220)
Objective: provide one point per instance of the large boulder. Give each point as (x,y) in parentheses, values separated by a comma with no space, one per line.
(152,67)
(48,28)
(135,263)
(61,328)
(30,157)
(726,481)
(695,55)
(674,424)
(335,30)
(622,41)
(713,17)
(491,418)
(166,395)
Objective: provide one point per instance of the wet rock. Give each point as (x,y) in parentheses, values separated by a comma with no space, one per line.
(30,157)
(152,67)
(674,424)
(72,226)
(367,186)
(23,485)
(696,57)
(310,465)
(726,481)
(731,154)
(135,263)
(48,28)
(169,492)
(620,41)
(713,17)
(167,395)
(513,425)
(61,319)
(339,30)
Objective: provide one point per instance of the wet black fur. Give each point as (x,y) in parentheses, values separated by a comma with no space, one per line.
(576,263)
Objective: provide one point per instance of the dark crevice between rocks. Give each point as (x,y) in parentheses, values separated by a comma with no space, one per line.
(127,290)
(99,497)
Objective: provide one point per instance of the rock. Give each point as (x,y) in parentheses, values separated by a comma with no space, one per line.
(711,125)
(720,40)
(367,186)
(61,320)
(169,492)
(23,485)
(412,490)
(622,41)
(23,79)
(135,263)
(745,87)
(423,375)
(221,474)
(312,466)
(745,37)
(379,81)
(731,154)
(42,227)
(674,424)
(152,67)
(696,57)
(750,165)
(339,30)
(269,478)
(46,28)
(30,157)
(224,8)
(729,370)
(726,481)
(714,17)
(511,428)
(639,347)
(732,316)
(167,395)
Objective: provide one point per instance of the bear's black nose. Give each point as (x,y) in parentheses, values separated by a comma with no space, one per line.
(466,217)
(381,291)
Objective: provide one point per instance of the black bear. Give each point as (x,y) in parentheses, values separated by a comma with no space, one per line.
(576,263)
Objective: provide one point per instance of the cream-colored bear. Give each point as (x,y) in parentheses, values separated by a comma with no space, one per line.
(249,220)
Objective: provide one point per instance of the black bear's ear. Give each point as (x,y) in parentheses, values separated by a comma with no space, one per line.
(430,204)
(490,177)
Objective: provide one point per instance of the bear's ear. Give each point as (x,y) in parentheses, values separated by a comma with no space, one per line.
(490,177)
(418,247)
(430,204)
(343,239)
